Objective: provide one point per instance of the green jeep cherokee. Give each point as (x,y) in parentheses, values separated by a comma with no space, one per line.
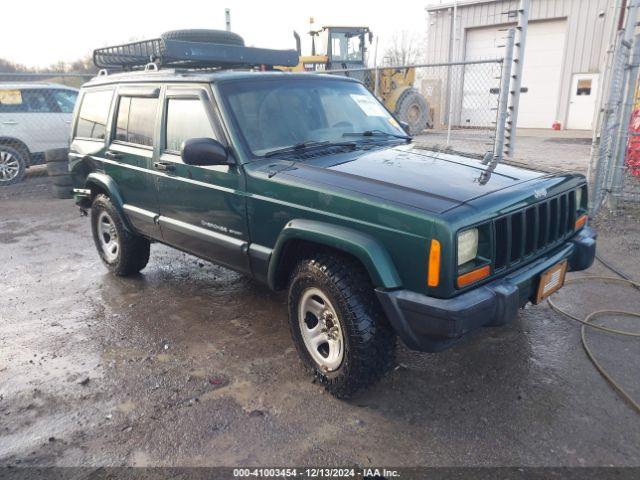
(306,183)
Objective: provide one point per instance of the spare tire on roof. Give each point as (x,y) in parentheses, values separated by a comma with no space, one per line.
(204,36)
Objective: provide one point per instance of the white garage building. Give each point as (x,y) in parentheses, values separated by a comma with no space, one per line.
(564,55)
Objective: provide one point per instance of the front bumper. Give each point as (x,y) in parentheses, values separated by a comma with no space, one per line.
(434,324)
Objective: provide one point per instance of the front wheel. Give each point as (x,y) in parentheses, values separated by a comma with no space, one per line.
(123,252)
(337,325)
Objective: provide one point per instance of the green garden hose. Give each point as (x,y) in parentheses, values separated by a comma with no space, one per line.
(587,322)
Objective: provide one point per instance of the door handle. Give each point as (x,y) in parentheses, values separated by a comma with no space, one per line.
(68,122)
(113,155)
(164,166)
(10,122)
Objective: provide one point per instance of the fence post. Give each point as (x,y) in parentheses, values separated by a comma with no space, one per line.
(376,80)
(623,132)
(516,79)
(454,32)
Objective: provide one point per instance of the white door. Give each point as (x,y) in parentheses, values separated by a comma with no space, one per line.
(542,70)
(33,118)
(582,103)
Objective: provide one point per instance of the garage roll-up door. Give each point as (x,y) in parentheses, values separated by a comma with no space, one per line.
(542,70)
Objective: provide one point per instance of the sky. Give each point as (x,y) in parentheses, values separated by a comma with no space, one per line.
(44,32)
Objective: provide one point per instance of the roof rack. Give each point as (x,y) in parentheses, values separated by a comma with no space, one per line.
(193,55)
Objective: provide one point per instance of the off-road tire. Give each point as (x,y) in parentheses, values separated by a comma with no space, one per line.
(63,181)
(221,37)
(62,191)
(369,341)
(19,158)
(133,251)
(413,108)
(56,155)
(57,169)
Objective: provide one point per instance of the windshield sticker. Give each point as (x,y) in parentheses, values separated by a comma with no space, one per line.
(369,105)
(10,97)
(394,122)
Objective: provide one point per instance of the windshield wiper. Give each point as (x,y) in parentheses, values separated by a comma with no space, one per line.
(302,146)
(376,133)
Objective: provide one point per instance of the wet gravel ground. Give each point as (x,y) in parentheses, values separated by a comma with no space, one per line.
(190,364)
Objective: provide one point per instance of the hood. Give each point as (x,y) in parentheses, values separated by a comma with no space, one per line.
(433,181)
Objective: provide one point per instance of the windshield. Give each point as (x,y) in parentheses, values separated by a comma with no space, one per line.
(346,47)
(278,113)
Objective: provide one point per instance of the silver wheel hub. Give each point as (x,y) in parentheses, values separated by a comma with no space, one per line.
(320,329)
(108,237)
(9,167)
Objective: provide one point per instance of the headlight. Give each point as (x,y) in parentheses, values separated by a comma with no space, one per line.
(578,198)
(467,245)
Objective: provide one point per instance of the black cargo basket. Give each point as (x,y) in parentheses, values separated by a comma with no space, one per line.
(195,55)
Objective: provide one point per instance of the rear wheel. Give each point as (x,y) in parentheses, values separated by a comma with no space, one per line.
(123,252)
(12,165)
(413,109)
(337,325)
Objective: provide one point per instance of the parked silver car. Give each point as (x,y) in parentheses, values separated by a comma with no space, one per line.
(34,118)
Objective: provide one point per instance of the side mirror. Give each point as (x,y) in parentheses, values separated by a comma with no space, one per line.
(405,126)
(203,151)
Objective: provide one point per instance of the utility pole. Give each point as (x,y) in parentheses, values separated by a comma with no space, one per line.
(227,19)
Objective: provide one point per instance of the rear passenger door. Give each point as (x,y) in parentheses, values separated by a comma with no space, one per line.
(130,154)
(202,208)
(32,117)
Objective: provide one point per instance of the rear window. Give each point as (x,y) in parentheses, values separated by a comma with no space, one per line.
(94,112)
(136,120)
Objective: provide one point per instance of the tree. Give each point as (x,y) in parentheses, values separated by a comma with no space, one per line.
(406,48)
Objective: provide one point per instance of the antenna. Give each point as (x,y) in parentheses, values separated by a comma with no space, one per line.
(227,19)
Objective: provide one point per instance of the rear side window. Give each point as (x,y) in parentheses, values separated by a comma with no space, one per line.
(186,118)
(93,115)
(65,100)
(136,120)
(38,101)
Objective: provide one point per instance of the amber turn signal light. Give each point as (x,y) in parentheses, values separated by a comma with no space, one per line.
(473,276)
(582,219)
(433,276)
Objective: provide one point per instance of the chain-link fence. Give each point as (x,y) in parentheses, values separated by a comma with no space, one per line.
(446,105)
(615,159)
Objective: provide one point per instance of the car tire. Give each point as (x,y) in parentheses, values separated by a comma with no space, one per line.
(12,165)
(221,37)
(62,191)
(413,109)
(355,343)
(123,252)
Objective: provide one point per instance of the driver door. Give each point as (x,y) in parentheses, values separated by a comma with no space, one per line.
(202,208)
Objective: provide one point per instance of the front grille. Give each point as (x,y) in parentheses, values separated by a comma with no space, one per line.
(526,232)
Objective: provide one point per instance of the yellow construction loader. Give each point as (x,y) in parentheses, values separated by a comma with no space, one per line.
(345,48)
